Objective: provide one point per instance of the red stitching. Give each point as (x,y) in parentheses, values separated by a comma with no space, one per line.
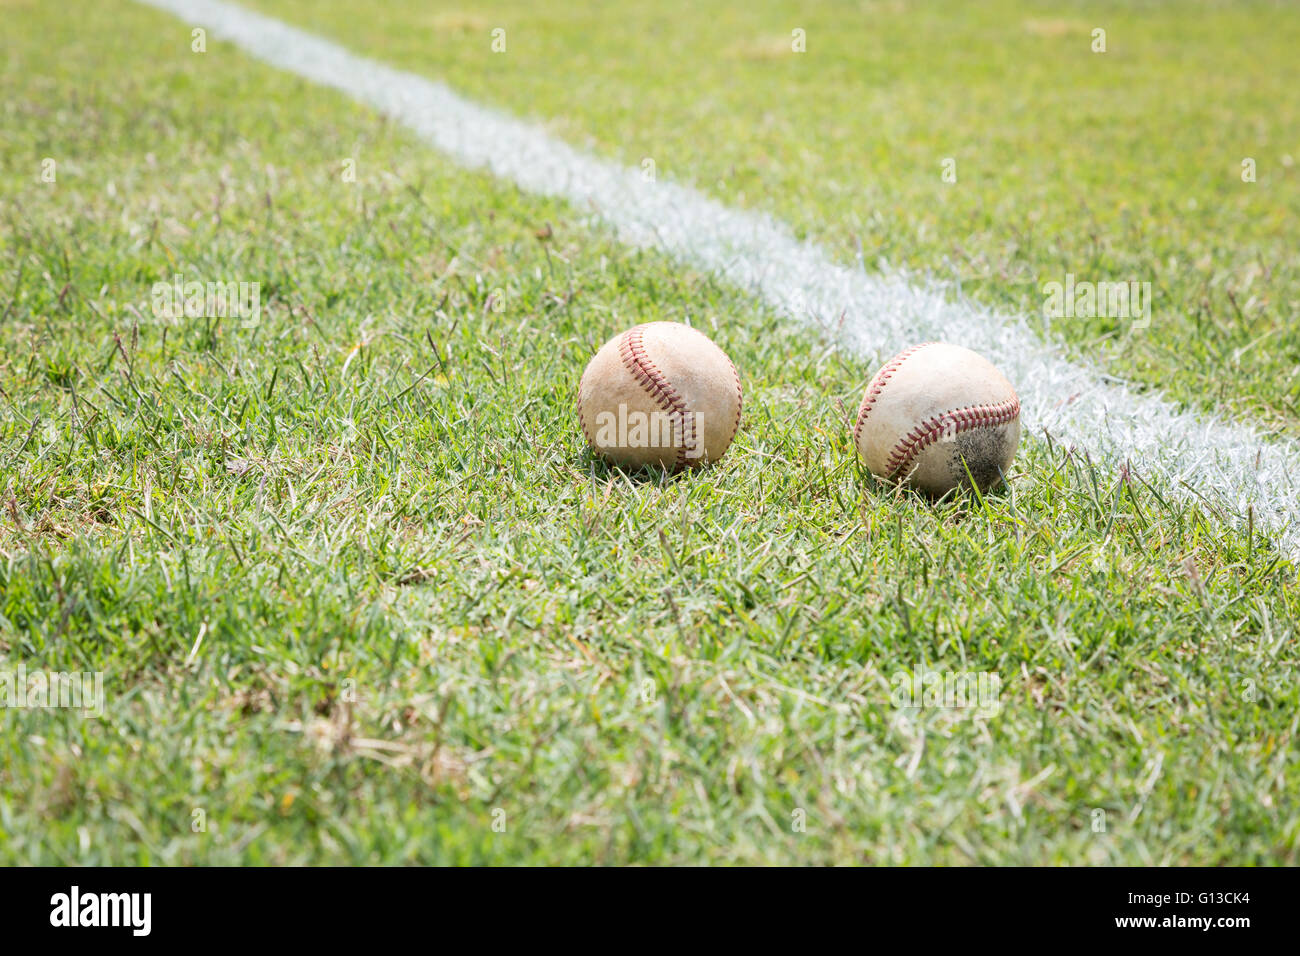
(631,349)
(740,397)
(961,419)
(877,385)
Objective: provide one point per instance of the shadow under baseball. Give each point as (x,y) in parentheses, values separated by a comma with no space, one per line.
(602,469)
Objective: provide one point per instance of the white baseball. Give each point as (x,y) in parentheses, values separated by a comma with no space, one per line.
(934,411)
(660,394)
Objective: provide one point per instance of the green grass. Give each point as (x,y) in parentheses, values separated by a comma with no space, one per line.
(1111,166)
(355,584)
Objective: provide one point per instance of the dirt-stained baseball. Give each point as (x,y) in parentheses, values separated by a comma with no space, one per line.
(660,394)
(934,411)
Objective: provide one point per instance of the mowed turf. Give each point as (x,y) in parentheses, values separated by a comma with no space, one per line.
(359,593)
(1115,166)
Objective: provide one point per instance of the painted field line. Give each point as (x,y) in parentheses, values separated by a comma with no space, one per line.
(1231,465)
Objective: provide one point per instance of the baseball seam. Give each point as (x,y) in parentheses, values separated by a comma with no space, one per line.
(740,398)
(878,383)
(954,421)
(631,349)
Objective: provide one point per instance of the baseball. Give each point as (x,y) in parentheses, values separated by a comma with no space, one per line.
(932,412)
(660,394)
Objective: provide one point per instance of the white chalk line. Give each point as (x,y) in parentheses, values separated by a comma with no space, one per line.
(1231,465)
